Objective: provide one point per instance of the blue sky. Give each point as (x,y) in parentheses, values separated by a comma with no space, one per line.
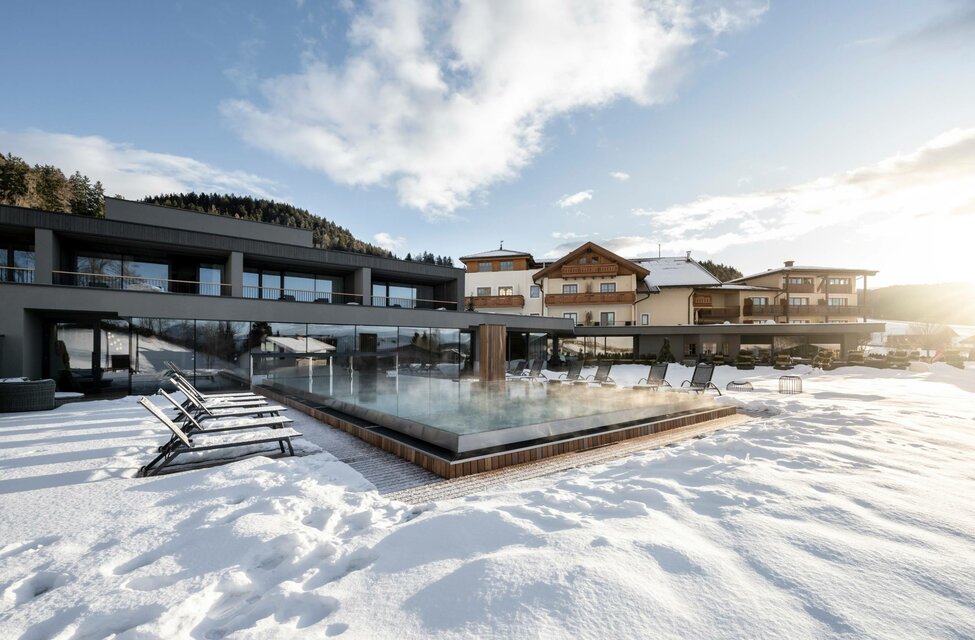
(750,133)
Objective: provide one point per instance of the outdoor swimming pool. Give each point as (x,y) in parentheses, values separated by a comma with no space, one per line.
(463,416)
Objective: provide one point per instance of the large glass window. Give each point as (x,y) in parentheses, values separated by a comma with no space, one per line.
(99,270)
(222,353)
(145,276)
(156,341)
(393,295)
(270,285)
(16,264)
(323,289)
(298,287)
(210,277)
(252,284)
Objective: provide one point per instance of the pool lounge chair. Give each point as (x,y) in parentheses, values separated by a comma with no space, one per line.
(656,379)
(701,379)
(202,413)
(573,374)
(601,377)
(517,369)
(203,441)
(535,372)
(190,424)
(240,400)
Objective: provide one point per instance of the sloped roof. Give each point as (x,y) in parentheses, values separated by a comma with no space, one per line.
(626,266)
(676,272)
(838,271)
(497,253)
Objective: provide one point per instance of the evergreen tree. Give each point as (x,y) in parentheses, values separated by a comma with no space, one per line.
(408,258)
(722,272)
(13,179)
(49,187)
(78,199)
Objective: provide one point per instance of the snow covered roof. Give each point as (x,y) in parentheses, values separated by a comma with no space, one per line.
(676,272)
(300,345)
(825,270)
(497,253)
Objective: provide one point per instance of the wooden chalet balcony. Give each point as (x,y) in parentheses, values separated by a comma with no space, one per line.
(719,314)
(494,302)
(616,297)
(837,311)
(764,310)
(589,270)
(800,288)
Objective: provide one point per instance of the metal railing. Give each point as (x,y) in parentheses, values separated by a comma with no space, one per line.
(139,283)
(414,303)
(21,275)
(301,295)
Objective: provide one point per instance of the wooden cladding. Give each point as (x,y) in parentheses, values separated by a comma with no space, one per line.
(724,313)
(615,297)
(493,302)
(702,300)
(491,351)
(589,270)
(806,287)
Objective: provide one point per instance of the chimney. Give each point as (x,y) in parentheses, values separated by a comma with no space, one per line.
(789,263)
(688,255)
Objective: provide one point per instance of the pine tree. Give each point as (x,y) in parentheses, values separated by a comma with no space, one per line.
(408,258)
(13,179)
(49,186)
(78,187)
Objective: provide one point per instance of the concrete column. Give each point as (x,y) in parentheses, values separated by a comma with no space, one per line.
(234,274)
(47,256)
(362,285)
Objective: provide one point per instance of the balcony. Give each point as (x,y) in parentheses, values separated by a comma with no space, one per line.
(139,283)
(718,314)
(495,302)
(830,310)
(808,287)
(301,295)
(770,310)
(413,303)
(589,270)
(20,275)
(614,297)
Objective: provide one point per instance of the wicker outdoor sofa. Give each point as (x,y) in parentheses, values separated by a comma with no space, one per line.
(26,395)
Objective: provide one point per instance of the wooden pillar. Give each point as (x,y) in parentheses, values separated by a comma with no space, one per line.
(491,349)
(863,302)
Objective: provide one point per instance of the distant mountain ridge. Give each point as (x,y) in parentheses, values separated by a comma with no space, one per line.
(326,233)
(946,303)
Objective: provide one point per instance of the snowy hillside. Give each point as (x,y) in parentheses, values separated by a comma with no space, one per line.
(845,511)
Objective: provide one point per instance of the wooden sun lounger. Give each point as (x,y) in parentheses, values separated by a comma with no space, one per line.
(203,441)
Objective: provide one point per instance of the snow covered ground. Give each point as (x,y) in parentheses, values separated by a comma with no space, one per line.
(848,510)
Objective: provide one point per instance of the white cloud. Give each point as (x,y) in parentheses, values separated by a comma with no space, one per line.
(933,185)
(443,101)
(127,170)
(568,235)
(388,242)
(622,176)
(576,198)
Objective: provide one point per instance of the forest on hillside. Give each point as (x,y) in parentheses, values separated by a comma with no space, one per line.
(948,303)
(46,187)
(722,272)
(327,234)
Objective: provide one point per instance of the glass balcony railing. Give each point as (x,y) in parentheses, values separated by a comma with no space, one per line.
(139,283)
(301,295)
(21,275)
